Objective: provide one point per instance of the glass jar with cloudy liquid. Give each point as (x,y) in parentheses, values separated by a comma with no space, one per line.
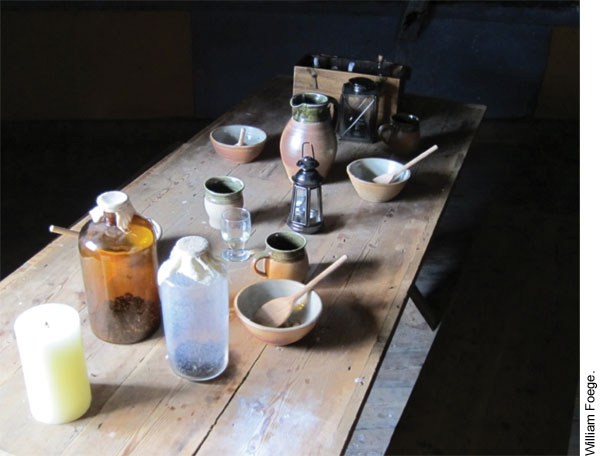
(194,297)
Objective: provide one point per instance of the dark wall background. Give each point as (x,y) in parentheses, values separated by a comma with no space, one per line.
(494,53)
(94,92)
(154,60)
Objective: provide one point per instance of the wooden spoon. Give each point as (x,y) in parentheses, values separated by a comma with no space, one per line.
(241,138)
(389,177)
(276,311)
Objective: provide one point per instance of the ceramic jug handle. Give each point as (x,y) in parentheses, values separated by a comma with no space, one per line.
(334,117)
(257,257)
(381,131)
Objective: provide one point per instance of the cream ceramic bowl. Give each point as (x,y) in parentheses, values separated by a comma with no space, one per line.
(363,171)
(248,300)
(224,140)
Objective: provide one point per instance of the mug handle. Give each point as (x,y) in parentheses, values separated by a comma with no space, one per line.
(381,132)
(257,257)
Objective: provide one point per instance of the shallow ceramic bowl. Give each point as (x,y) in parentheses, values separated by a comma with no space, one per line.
(248,300)
(156,228)
(225,138)
(363,171)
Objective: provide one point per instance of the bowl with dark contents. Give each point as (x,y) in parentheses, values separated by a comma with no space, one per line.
(302,320)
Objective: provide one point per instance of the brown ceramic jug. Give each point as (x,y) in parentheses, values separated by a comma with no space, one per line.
(313,122)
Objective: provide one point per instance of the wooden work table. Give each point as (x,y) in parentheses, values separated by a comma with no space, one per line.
(298,399)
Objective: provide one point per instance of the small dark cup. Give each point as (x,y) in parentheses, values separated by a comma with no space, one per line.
(402,134)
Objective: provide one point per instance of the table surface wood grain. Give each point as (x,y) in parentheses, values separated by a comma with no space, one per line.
(298,399)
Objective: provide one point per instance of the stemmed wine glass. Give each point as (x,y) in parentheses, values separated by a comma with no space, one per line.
(235,231)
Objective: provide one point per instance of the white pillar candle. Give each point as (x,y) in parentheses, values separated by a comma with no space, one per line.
(51,350)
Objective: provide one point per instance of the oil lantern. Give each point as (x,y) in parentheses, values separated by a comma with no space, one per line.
(306,211)
(358,111)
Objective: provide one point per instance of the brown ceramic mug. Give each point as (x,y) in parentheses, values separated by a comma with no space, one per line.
(402,134)
(284,257)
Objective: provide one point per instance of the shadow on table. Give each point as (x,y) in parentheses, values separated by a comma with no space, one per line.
(107,398)
(271,149)
(344,272)
(446,139)
(346,319)
(158,334)
(334,222)
(423,184)
(338,170)
(270,213)
(343,323)
(164,247)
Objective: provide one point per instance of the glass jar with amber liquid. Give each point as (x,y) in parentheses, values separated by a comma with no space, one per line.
(119,262)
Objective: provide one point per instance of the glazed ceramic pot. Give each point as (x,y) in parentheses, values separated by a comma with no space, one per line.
(311,122)
(222,193)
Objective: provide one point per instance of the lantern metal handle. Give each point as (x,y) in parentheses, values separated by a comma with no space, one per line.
(311,146)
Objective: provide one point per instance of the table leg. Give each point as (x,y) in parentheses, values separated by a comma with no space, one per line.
(426,310)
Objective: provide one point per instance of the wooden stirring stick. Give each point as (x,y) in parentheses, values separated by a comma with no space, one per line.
(389,177)
(60,230)
(241,138)
(276,311)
